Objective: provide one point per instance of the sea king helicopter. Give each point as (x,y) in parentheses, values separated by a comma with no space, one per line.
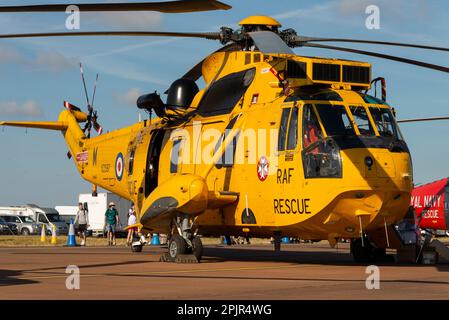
(275,144)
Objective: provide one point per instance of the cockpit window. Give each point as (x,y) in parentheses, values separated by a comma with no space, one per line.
(335,120)
(314,96)
(372,100)
(384,122)
(362,121)
(311,127)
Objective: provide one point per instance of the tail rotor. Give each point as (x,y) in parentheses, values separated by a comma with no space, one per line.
(92,115)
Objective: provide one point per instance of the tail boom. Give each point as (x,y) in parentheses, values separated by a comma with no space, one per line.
(50,125)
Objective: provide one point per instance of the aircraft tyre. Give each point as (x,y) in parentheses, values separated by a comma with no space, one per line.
(177,246)
(197,248)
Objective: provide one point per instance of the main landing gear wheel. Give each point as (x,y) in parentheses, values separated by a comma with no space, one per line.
(197,248)
(136,247)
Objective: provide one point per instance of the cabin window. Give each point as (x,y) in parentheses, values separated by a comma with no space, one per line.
(131,161)
(335,120)
(292,139)
(362,121)
(283,128)
(225,93)
(174,159)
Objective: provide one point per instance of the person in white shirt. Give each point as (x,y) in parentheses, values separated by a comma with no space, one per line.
(132,220)
(82,219)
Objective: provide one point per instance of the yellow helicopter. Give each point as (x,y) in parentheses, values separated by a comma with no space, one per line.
(274,145)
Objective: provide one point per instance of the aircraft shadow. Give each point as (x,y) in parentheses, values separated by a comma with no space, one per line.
(10,278)
(341,258)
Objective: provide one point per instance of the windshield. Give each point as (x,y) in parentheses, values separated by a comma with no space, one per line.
(53,217)
(384,122)
(335,120)
(26,219)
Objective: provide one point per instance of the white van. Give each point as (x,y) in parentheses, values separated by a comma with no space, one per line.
(46,216)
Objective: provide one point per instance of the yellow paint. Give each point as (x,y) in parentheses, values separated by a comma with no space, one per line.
(215,196)
(259,20)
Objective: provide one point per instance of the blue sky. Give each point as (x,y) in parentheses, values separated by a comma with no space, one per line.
(36,75)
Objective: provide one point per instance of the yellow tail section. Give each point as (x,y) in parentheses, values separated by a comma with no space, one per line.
(60,126)
(68,124)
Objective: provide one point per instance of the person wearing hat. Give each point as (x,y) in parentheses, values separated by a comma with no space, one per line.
(111,218)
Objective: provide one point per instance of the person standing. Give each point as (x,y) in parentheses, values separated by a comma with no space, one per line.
(82,219)
(111,219)
(132,220)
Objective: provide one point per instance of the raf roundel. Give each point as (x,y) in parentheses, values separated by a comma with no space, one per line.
(119,166)
(262,168)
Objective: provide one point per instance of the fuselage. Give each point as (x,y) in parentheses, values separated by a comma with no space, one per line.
(315,159)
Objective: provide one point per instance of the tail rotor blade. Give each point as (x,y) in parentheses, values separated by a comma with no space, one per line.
(98,128)
(85,88)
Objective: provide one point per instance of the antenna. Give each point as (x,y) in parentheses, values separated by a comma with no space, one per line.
(95,90)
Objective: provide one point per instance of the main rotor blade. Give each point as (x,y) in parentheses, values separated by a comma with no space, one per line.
(204,35)
(422,119)
(381,55)
(301,40)
(166,7)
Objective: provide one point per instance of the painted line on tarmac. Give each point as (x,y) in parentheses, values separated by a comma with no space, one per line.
(160,272)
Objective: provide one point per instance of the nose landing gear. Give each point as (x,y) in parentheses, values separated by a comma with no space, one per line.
(184,245)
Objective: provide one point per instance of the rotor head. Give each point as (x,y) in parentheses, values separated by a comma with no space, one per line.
(259,23)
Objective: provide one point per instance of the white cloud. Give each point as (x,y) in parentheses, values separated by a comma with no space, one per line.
(129,97)
(29,108)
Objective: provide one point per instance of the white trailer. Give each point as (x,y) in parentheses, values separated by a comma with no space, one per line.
(66,213)
(97,207)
